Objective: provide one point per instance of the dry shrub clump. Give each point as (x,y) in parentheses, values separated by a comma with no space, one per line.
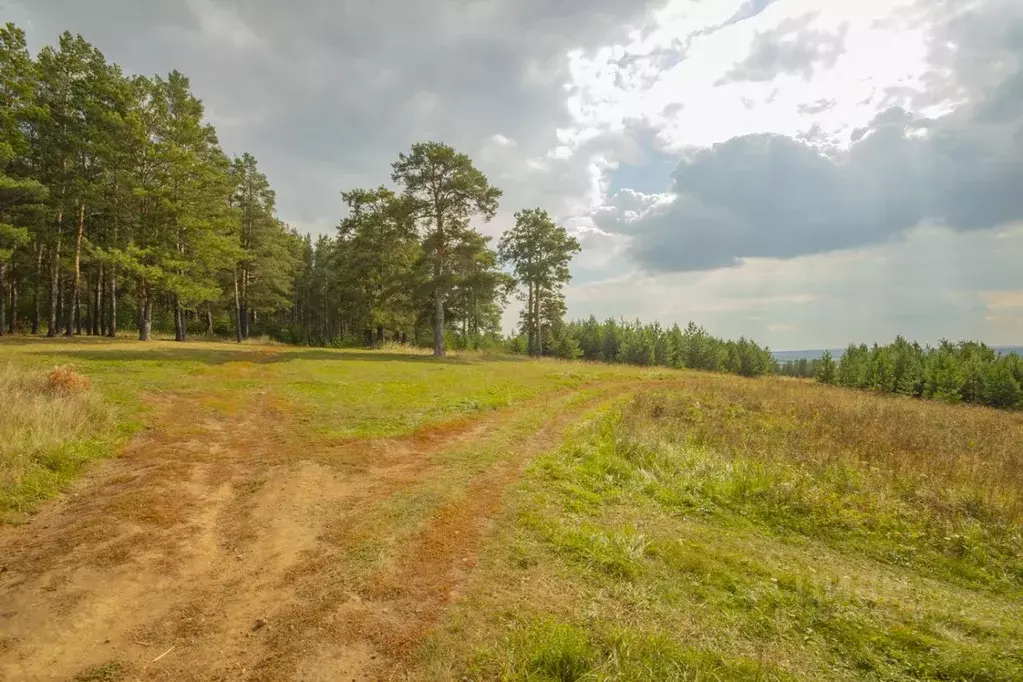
(50,424)
(65,379)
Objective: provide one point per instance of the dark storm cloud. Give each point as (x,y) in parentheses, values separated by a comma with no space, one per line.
(327,93)
(793,47)
(772,196)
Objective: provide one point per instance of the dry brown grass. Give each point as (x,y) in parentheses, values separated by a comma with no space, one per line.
(953,459)
(49,422)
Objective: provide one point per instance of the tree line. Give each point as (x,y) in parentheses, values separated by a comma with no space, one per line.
(120,210)
(963,372)
(636,343)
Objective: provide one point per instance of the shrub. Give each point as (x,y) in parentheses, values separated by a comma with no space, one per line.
(65,379)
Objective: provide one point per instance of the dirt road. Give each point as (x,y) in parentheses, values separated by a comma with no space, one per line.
(219,548)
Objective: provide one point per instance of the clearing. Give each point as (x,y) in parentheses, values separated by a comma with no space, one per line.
(283,513)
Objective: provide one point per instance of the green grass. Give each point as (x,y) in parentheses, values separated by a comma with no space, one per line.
(107,672)
(327,395)
(707,534)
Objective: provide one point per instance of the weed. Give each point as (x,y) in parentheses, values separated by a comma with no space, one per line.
(111,671)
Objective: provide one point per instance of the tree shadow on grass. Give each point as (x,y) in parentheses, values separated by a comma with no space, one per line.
(266,356)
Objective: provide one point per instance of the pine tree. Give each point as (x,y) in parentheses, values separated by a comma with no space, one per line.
(444,190)
(20,194)
(827,371)
(539,252)
(377,250)
(479,288)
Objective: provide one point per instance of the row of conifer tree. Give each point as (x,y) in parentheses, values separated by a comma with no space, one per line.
(963,372)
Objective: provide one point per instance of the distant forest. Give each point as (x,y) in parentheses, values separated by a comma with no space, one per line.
(966,372)
(119,211)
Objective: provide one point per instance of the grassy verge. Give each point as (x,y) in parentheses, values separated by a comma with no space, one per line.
(52,423)
(756,530)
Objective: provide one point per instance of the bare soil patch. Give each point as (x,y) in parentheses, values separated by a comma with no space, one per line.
(215,548)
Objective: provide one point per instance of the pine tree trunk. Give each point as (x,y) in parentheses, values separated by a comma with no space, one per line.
(530,327)
(438,316)
(14,305)
(3,298)
(244,314)
(145,331)
(145,311)
(112,326)
(60,304)
(68,321)
(78,314)
(112,322)
(76,274)
(474,324)
(51,330)
(237,309)
(179,312)
(438,293)
(87,285)
(179,321)
(35,288)
(536,322)
(209,321)
(147,317)
(99,319)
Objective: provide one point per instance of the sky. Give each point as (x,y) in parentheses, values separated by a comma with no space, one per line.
(802,172)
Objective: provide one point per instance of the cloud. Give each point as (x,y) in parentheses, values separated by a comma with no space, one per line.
(748,10)
(929,283)
(793,47)
(326,94)
(998,300)
(773,196)
(221,23)
(818,107)
(623,208)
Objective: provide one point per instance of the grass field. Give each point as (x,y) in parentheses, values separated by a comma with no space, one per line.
(282,513)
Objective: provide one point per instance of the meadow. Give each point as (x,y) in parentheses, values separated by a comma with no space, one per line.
(205,511)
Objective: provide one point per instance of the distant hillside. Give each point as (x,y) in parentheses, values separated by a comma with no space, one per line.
(792,355)
(815,354)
